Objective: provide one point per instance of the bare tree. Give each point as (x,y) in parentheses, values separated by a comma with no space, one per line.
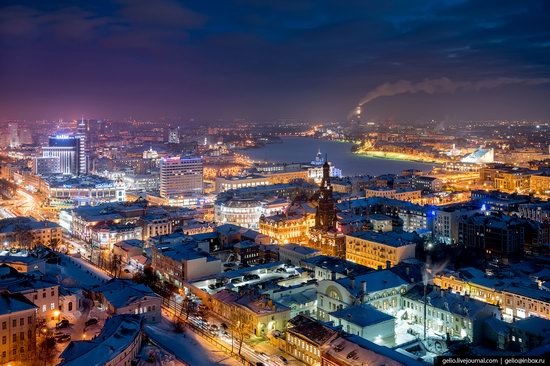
(238,330)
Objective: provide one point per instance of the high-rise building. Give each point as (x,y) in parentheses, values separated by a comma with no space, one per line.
(67,150)
(181,176)
(174,136)
(82,135)
(13,134)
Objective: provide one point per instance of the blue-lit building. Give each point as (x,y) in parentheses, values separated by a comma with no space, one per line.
(68,150)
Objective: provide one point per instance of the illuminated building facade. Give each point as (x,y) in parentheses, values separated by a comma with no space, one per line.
(284,229)
(181,177)
(380,250)
(67,149)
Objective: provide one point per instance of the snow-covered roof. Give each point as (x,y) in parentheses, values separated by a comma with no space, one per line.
(357,351)
(116,336)
(376,281)
(121,293)
(14,303)
(300,249)
(361,315)
(463,306)
(390,238)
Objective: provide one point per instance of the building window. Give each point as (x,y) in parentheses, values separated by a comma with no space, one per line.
(14,323)
(52,306)
(4,339)
(44,308)
(4,325)
(22,321)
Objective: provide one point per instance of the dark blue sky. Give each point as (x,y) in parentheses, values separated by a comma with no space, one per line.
(269,59)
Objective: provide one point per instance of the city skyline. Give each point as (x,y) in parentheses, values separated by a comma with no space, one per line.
(271,60)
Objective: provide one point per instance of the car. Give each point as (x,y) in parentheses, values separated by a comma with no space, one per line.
(62,324)
(236,280)
(90,322)
(214,327)
(63,338)
(283,359)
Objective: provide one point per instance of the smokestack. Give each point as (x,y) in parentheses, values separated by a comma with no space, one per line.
(352,282)
(364,287)
(333,275)
(388,264)
(443,85)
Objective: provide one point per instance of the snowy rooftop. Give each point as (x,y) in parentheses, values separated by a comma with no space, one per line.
(376,281)
(184,252)
(121,293)
(117,334)
(13,303)
(448,301)
(361,315)
(336,265)
(300,249)
(13,224)
(391,238)
(356,351)
(311,329)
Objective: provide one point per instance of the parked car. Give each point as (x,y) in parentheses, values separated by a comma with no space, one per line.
(63,338)
(62,324)
(91,322)
(283,359)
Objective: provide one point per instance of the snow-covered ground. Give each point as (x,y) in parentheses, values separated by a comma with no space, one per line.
(76,272)
(188,347)
(154,356)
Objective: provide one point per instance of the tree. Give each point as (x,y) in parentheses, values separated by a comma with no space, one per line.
(238,331)
(189,306)
(54,244)
(46,348)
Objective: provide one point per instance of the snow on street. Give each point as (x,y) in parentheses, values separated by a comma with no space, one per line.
(188,346)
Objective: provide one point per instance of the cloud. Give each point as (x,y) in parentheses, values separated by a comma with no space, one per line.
(164,13)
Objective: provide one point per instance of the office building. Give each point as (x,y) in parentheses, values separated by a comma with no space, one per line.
(181,177)
(67,150)
(46,165)
(82,135)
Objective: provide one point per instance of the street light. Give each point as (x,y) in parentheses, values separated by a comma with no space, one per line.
(56,314)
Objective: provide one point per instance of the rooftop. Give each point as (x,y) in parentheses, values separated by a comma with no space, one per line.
(391,238)
(376,281)
(300,249)
(121,293)
(337,265)
(311,329)
(86,181)
(14,224)
(14,303)
(117,334)
(450,302)
(361,315)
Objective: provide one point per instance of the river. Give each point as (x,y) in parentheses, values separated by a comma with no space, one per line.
(304,149)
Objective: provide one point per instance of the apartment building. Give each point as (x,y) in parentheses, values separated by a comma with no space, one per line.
(17,329)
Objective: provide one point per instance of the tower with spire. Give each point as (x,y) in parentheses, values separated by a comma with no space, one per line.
(325,217)
(325,235)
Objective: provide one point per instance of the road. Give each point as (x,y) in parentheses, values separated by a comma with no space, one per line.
(225,340)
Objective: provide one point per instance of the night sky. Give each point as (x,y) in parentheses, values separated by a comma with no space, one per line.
(269,59)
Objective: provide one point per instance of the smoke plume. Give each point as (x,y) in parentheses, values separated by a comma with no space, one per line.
(444,85)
